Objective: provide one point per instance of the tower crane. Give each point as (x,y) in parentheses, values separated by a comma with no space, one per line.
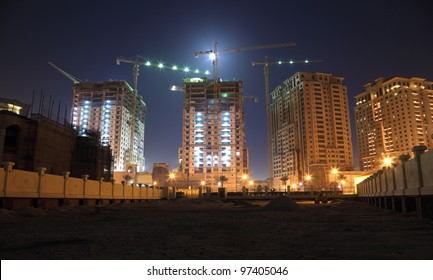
(266,64)
(69,76)
(214,53)
(136,62)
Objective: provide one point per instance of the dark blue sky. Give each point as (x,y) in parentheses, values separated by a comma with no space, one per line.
(359,41)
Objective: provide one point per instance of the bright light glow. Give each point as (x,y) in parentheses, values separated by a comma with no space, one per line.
(197,71)
(334,171)
(203,183)
(308,178)
(160,65)
(280,62)
(148,63)
(306,61)
(291,61)
(251,182)
(206,73)
(172,176)
(186,69)
(387,162)
(244,176)
(174,67)
(212,56)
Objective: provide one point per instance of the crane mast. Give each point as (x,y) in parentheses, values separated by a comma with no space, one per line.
(136,62)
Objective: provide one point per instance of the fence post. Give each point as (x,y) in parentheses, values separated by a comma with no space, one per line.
(85,177)
(403,159)
(8,167)
(418,151)
(41,172)
(393,189)
(100,179)
(65,181)
(200,192)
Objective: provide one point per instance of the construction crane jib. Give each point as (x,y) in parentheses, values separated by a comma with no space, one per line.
(213,54)
(66,74)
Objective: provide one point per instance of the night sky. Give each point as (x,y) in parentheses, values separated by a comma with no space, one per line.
(359,41)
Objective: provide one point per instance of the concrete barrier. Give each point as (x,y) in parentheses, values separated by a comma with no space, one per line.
(406,187)
(24,188)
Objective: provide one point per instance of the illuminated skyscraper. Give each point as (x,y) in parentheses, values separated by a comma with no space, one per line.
(311,131)
(213,143)
(106,107)
(392,116)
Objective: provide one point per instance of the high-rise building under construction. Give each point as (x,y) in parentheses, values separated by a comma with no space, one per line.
(107,108)
(311,137)
(213,142)
(392,116)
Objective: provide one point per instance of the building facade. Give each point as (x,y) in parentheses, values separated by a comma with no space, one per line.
(311,137)
(213,142)
(14,106)
(108,108)
(392,116)
(39,142)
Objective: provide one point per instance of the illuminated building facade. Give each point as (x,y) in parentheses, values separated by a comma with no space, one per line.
(14,106)
(310,132)
(392,116)
(106,107)
(214,143)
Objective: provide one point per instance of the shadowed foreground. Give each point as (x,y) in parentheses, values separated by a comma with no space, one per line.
(201,229)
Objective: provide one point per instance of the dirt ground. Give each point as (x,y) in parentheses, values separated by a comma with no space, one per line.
(210,229)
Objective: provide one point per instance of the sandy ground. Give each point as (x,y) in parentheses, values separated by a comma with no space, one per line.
(201,229)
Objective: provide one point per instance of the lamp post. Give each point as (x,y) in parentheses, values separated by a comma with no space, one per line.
(342,186)
(171,177)
(244,179)
(334,172)
(308,180)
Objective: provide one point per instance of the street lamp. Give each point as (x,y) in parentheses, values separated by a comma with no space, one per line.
(244,178)
(308,180)
(171,177)
(342,185)
(334,172)
(387,162)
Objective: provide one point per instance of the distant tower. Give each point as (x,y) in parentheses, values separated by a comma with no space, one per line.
(392,116)
(106,108)
(213,142)
(310,131)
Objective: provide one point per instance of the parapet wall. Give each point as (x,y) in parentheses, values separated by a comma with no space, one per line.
(410,178)
(404,187)
(40,185)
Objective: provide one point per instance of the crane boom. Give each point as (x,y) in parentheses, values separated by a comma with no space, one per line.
(215,53)
(69,76)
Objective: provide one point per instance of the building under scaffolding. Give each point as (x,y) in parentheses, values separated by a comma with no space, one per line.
(214,142)
(106,107)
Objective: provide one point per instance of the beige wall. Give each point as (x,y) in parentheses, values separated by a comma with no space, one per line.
(413,186)
(18,183)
